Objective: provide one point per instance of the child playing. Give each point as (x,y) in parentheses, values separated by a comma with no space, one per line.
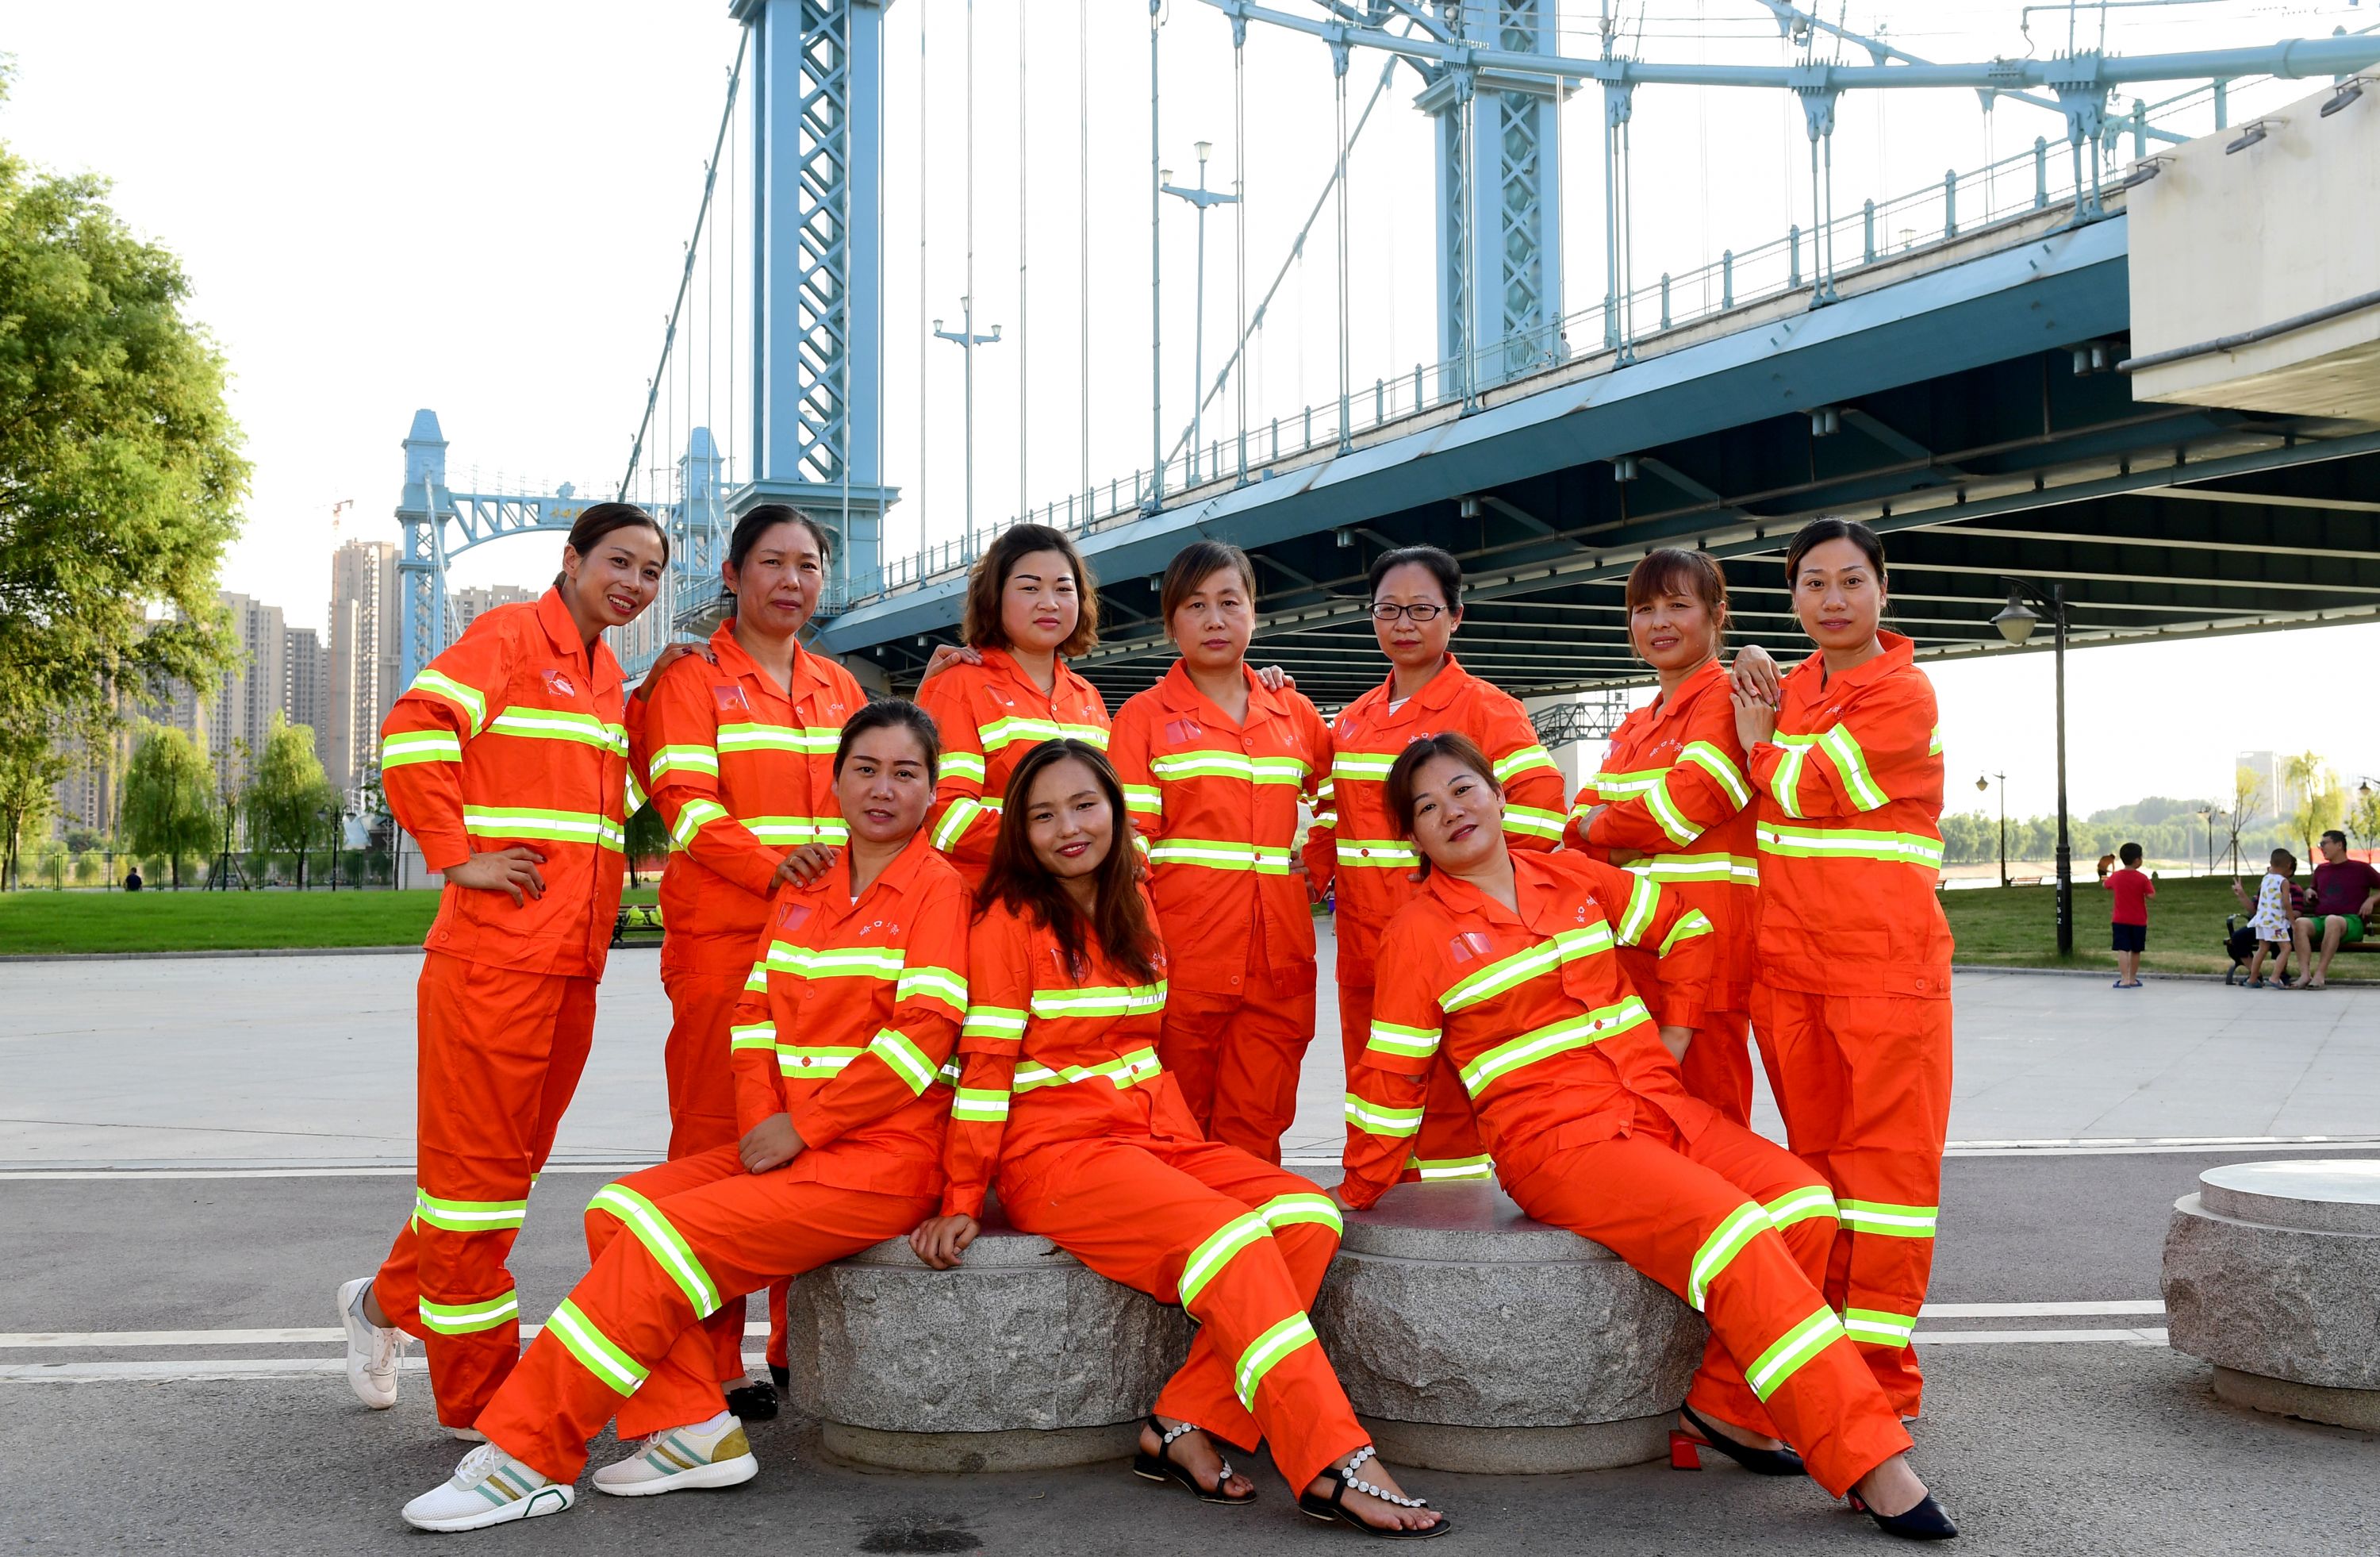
(2130,917)
(2271,921)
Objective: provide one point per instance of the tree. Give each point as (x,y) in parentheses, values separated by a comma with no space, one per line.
(2321,804)
(120,471)
(169,800)
(287,794)
(2247,800)
(2363,817)
(28,768)
(648,837)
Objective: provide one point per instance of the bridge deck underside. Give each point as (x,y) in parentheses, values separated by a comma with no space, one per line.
(2155,519)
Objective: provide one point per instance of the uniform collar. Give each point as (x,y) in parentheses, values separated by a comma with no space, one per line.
(1062,681)
(1180,693)
(1688,693)
(736,660)
(562,631)
(831,892)
(1898,654)
(1436,694)
(1534,882)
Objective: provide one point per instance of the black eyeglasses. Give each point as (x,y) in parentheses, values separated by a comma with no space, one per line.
(1385,612)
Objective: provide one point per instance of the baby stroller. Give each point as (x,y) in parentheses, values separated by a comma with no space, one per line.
(2240,942)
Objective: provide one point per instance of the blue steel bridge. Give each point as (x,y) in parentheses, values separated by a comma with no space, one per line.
(1956,365)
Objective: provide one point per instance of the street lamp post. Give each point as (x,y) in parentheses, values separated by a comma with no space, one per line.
(1202,198)
(2016,621)
(967,340)
(1986,783)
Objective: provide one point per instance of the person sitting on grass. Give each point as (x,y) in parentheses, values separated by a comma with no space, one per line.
(2345,892)
(2129,916)
(2270,920)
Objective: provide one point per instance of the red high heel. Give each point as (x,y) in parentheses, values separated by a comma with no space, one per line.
(1685,1451)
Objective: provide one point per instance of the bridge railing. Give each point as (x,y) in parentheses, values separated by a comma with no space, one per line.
(2040,177)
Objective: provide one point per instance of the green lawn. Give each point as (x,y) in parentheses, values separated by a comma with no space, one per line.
(163,920)
(2017,927)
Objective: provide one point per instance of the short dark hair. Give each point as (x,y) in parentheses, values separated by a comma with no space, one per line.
(2130,853)
(2334,832)
(1817,532)
(1193,566)
(1439,561)
(882,714)
(2285,860)
(758,522)
(1399,789)
(980,625)
(1674,570)
(1017,879)
(600,520)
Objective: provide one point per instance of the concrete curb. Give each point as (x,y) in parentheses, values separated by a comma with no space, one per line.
(2100,973)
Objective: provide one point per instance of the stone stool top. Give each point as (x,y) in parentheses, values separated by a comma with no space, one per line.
(1468,1224)
(2319,1197)
(998,1246)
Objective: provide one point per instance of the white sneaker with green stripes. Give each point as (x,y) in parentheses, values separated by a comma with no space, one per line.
(711,1454)
(489,1488)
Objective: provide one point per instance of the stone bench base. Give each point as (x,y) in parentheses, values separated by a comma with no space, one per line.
(941,1453)
(2269,1274)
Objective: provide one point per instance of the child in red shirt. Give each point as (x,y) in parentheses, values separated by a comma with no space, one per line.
(2129,919)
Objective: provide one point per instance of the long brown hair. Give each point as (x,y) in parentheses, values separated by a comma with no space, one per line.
(1019,882)
(980,624)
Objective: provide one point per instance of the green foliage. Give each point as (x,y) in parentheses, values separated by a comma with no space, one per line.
(290,804)
(169,800)
(29,766)
(120,475)
(2363,822)
(649,837)
(2321,804)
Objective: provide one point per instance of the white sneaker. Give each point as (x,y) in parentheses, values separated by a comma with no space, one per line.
(712,1453)
(374,1350)
(467,1435)
(489,1488)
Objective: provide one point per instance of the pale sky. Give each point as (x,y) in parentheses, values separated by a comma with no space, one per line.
(481,208)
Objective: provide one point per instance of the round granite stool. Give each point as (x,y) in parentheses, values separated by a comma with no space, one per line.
(1020,1359)
(2272,1273)
(1471,1338)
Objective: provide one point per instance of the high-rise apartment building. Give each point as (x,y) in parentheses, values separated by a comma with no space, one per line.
(2279,797)
(252,690)
(361,656)
(465,606)
(304,681)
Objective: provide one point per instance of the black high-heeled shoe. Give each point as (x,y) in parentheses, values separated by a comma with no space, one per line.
(1684,1451)
(1927,1521)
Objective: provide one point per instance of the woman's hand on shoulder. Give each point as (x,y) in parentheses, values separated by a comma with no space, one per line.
(945,655)
(803,865)
(940,1240)
(1756,717)
(670,654)
(1755,673)
(1274,678)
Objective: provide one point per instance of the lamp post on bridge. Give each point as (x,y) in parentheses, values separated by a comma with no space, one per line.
(1984,782)
(1202,198)
(967,340)
(2016,621)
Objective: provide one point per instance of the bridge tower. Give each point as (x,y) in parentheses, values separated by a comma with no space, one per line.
(817,325)
(1498,213)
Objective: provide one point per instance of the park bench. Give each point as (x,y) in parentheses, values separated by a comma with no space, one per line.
(640,920)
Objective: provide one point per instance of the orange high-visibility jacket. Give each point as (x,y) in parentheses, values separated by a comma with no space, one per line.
(1850,833)
(1051,1054)
(849,1020)
(1215,806)
(1551,1041)
(1672,789)
(1353,840)
(742,773)
(514,736)
(990,716)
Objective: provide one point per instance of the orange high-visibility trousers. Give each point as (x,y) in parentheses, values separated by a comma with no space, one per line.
(1863,1082)
(500,1055)
(702,1107)
(1240,1243)
(1448,1145)
(1718,1066)
(1735,1226)
(1236,1059)
(636,1338)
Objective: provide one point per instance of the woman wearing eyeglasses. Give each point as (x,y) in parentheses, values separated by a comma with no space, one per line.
(1417,606)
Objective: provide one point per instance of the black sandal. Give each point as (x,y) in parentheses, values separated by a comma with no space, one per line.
(1333,1509)
(1161,1467)
(1760,1462)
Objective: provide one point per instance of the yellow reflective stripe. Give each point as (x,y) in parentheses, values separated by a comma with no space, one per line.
(468,1319)
(1521,761)
(1530,822)
(1786,784)
(1217,1250)
(601,1355)
(420,745)
(1736,1230)
(1415,1043)
(692,817)
(560,725)
(1373,765)
(1283,1210)
(992,1021)
(814,1062)
(1850,762)
(1002,733)
(1176,766)
(792,830)
(834,962)
(1506,972)
(1609,787)
(468,1216)
(1262,858)
(1643,901)
(1879,1327)
(1375,853)
(814,740)
(1800,1205)
(1934,743)
(1554,1038)
(1672,822)
(1891,1220)
(1124,1072)
(1669,867)
(752,1035)
(1691,923)
(1720,766)
(942,983)
(522,821)
(1797,1347)
(956,822)
(980,1105)
(1099,1000)
(663,1242)
(471,699)
(1264,1352)
(688,759)
(1144,800)
(1379,1119)
(908,1061)
(1435,1170)
(963,764)
(1849,843)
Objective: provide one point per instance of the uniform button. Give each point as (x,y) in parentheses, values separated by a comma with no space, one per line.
(1236,978)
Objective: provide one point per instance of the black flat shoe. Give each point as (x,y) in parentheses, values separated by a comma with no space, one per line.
(1333,1509)
(1161,1467)
(1925,1522)
(1684,1451)
(755,1402)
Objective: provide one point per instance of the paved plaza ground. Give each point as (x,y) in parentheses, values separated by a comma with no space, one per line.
(192,1152)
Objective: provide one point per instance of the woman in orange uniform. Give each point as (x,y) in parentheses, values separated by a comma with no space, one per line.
(1671,805)
(1507,967)
(507,762)
(735,745)
(1062,1104)
(1030,606)
(855,1002)
(1213,764)
(1853,994)
(1417,606)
